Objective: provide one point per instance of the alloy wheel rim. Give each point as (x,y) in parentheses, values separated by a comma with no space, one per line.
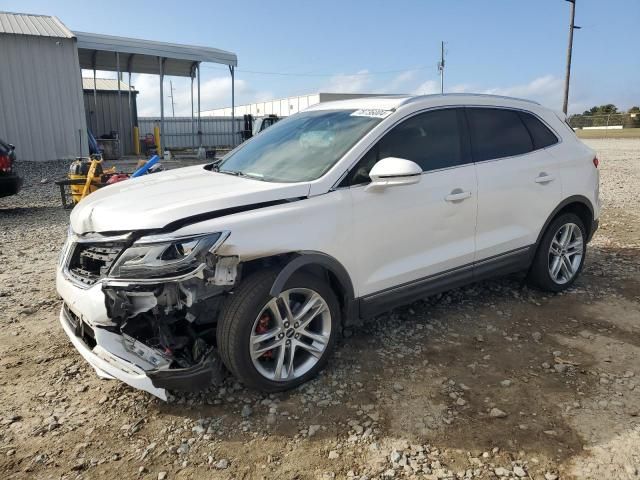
(565,253)
(290,334)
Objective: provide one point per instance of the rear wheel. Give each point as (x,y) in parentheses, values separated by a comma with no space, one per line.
(275,344)
(561,253)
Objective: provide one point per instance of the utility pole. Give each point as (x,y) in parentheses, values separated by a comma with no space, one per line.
(173,104)
(441,67)
(572,27)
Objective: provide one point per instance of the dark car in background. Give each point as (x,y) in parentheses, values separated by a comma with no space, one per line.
(10,182)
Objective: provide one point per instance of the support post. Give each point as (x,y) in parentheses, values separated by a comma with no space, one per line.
(572,27)
(136,140)
(119,109)
(199,124)
(233,107)
(95,94)
(193,132)
(132,121)
(160,146)
(441,68)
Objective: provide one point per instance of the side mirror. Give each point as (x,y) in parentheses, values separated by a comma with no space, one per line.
(392,171)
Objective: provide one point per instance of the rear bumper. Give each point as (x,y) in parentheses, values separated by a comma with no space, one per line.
(9,185)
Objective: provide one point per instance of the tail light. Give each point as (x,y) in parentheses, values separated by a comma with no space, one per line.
(5,163)
(596,162)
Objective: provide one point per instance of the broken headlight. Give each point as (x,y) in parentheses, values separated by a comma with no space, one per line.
(164,257)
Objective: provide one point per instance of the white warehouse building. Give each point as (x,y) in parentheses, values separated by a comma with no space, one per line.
(283,107)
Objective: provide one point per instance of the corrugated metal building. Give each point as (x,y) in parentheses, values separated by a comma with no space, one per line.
(101,110)
(284,107)
(181,132)
(41,106)
(42,110)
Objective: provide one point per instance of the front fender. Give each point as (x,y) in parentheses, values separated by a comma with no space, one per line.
(307,258)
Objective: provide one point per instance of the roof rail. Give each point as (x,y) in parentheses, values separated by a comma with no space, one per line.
(417,98)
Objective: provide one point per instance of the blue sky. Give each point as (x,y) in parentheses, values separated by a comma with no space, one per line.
(513,47)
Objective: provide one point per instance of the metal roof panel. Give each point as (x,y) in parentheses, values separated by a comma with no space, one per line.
(34,25)
(141,56)
(109,84)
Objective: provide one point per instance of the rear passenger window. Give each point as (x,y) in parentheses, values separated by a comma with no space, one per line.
(497,133)
(541,135)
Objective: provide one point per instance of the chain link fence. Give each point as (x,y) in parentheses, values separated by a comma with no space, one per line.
(612,121)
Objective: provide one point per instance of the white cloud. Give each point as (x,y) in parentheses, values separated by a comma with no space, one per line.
(355,83)
(460,88)
(400,82)
(214,92)
(547,90)
(428,87)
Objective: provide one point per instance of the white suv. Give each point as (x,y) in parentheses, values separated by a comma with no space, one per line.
(332,215)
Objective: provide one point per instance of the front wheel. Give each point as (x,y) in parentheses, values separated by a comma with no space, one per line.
(276,343)
(561,253)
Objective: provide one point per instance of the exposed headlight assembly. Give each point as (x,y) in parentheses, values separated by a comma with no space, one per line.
(160,256)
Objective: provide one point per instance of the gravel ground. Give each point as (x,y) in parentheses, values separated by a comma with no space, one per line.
(490,381)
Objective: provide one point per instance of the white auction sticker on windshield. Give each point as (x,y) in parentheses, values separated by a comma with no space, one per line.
(372,112)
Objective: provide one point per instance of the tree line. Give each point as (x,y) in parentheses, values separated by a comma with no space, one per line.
(602,115)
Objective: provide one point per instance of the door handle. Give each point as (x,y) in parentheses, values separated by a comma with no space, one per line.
(545,178)
(457,195)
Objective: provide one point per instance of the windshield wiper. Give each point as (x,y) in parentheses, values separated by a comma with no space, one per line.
(239,173)
(236,173)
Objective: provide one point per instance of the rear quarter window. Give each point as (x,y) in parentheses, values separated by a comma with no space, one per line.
(541,135)
(497,133)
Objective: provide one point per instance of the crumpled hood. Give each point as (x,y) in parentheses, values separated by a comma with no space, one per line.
(156,200)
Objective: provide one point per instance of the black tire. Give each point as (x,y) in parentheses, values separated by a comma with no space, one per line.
(539,275)
(237,321)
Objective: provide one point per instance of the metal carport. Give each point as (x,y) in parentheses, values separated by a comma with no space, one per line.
(133,55)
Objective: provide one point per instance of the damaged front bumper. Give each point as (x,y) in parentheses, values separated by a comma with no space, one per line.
(106,353)
(154,335)
(108,357)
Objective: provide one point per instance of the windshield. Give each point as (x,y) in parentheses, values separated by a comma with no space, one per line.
(299,148)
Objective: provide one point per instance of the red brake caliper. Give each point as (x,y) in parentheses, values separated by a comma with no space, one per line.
(263,327)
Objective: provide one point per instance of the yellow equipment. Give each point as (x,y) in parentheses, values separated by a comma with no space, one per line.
(83,173)
(86,176)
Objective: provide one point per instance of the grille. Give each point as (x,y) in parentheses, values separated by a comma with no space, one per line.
(90,262)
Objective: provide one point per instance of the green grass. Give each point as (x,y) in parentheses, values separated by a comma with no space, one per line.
(624,133)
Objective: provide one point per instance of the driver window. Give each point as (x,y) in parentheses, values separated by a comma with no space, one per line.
(431,139)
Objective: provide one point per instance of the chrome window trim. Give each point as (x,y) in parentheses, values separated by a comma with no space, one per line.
(559,138)
(428,172)
(491,107)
